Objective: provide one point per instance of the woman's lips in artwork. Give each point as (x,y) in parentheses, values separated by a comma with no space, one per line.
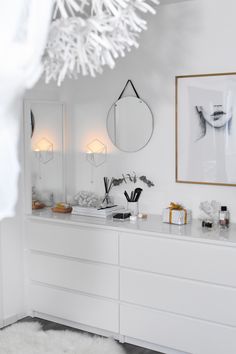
(217,115)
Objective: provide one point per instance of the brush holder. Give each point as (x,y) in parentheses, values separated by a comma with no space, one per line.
(133,208)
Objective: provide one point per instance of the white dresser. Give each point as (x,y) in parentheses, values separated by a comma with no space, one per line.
(165,287)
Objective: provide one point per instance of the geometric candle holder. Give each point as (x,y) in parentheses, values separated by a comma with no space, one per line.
(96,153)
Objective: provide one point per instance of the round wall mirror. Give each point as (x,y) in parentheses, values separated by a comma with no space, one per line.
(130,124)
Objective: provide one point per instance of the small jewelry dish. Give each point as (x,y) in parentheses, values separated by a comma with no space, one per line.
(62,208)
(121,215)
(36,204)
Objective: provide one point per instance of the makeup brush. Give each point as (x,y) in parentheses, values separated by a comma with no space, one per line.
(137,193)
(127,196)
(132,196)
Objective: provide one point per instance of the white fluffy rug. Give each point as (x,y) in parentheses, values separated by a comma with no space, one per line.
(29,338)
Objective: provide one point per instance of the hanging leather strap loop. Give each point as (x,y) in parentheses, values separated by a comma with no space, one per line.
(129,81)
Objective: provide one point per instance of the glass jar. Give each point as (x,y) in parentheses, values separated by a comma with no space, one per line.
(224,217)
(133,208)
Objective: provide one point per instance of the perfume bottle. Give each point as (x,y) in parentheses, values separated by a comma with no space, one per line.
(224,217)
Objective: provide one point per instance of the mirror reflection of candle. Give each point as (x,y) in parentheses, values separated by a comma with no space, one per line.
(44,150)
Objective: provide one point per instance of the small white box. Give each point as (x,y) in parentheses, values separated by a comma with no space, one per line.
(178,217)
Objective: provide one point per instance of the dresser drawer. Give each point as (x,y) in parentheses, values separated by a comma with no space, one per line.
(81,242)
(176,332)
(90,278)
(191,298)
(82,309)
(184,259)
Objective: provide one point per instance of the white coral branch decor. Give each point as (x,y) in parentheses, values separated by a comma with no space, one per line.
(210,209)
(86,35)
(88,199)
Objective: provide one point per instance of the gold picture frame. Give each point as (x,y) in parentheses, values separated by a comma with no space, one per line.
(205,129)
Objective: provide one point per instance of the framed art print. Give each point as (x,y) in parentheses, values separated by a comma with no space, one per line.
(206,129)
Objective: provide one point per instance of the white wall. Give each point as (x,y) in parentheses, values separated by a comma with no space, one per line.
(11,259)
(12,268)
(192,37)
(1,282)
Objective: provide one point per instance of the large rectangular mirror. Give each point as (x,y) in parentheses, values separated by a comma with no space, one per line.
(45,146)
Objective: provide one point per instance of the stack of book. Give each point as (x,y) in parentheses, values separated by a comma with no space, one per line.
(99,213)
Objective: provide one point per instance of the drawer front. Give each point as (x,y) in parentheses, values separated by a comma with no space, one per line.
(177,332)
(75,307)
(216,264)
(90,278)
(186,297)
(84,243)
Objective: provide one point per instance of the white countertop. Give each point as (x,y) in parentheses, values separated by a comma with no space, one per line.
(152,226)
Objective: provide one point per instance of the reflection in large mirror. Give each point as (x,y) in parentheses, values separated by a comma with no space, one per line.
(130,124)
(46,149)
